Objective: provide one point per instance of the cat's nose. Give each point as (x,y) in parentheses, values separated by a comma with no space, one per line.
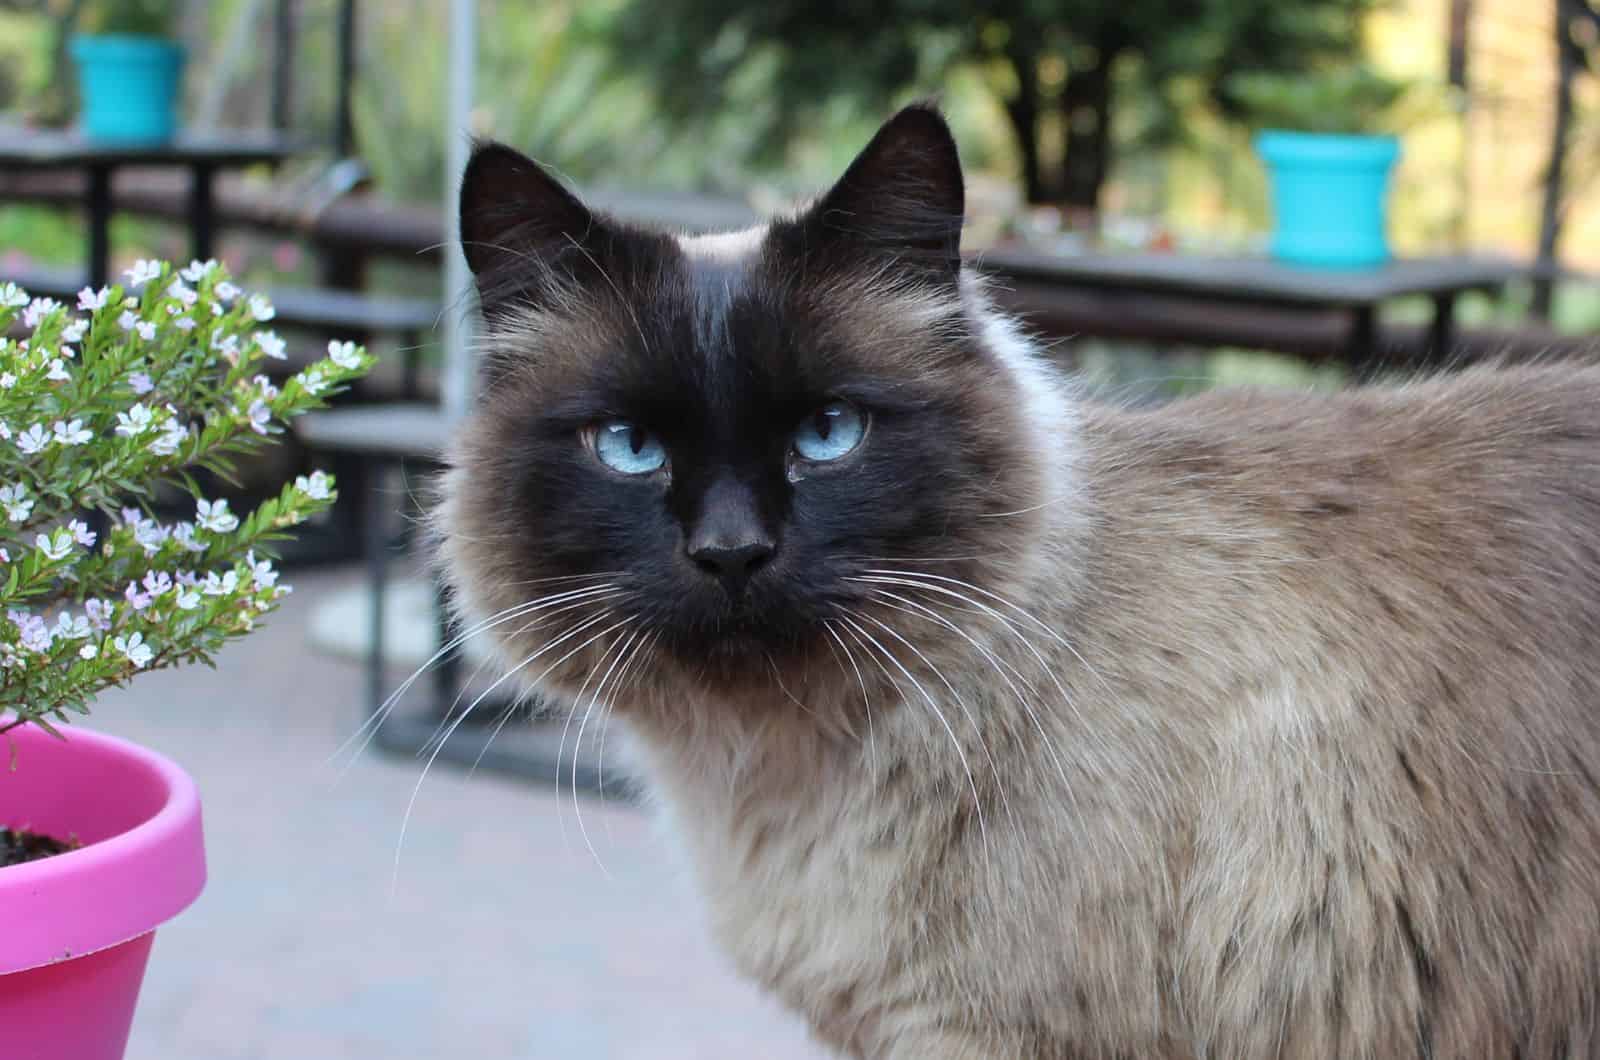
(729,538)
(731,562)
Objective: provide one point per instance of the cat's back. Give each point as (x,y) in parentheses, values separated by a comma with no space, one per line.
(1487,474)
(1381,607)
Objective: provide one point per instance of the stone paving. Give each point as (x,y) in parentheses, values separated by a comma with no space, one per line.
(501,937)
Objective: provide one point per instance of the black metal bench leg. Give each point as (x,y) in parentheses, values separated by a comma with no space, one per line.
(377,542)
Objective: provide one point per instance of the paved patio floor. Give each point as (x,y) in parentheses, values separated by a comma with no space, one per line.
(503,937)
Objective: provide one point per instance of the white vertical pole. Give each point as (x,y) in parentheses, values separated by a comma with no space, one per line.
(456,376)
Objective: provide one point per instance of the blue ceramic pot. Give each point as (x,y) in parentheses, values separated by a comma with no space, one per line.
(128,86)
(1329,197)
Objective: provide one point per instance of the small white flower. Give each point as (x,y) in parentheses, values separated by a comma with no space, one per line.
(90,300)
(183,534)
(187,599)
(88,651)
(127,320)
(260,416)
(227,345)
(82,534)
(7,380)
(37,309)
(143,271)
(271,345)
(15,501)
(54,546)
(140,383)
(261,571)
(171,437)
(215,586)
(135,421)
(316,486)
(198,270)
(311,381)
(12,296)
(183,294)
(146,329)
(71,628)
(260,308)
(268,391)
(151,536)
(67,352)
(138,600)
(226,291)
(137,651)
(344,355)
(72,433)
(33,439)
(36,636)
(214,516)
(75,331)
(58,371)
(183,324)
(5,432)
(99,612)
(157,583)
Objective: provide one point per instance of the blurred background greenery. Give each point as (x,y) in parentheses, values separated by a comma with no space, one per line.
(1126,115)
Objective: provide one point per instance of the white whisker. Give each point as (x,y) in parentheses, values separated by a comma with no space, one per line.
(977,730)
(509,614)
(502,679)
(977,801)
(866,702)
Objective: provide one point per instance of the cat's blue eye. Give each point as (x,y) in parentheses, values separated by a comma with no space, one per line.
(830,432)
(628,448)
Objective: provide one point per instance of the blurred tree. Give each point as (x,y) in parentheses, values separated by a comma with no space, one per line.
(1056,64)
(1577,47)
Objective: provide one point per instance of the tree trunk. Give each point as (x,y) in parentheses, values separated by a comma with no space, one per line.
(1568,59)
(1086,110)
(1023,110)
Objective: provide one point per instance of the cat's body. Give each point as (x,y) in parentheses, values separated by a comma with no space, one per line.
(1254,725)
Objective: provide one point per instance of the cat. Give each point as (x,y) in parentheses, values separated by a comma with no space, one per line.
(997,722)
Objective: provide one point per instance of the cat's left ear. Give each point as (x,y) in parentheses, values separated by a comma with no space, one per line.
(524,234)
(902,197)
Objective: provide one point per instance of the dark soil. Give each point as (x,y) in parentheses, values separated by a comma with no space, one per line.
(22,845)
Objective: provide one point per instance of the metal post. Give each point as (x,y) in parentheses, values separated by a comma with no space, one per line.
(99,204)
(456,379)
(343,126)
(282,64)
(202,213)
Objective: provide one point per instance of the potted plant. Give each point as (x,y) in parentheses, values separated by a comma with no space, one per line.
(101,406)
(1326,139)
(129,70)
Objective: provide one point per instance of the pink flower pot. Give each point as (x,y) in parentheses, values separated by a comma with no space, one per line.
(75,929)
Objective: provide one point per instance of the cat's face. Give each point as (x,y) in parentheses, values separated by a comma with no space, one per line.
(708,444)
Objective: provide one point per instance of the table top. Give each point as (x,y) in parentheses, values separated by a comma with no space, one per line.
(53,148)
(1253,279)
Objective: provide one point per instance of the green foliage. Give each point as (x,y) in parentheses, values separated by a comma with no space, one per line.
(1352,99)
(97,413)
(1055,64)
(145,18)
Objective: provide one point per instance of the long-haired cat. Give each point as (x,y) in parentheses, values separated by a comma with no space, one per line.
(997,723)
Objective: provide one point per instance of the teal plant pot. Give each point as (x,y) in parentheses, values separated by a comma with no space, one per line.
(128,86)
(1330,197)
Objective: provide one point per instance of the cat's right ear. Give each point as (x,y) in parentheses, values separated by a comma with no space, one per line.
(520,228)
